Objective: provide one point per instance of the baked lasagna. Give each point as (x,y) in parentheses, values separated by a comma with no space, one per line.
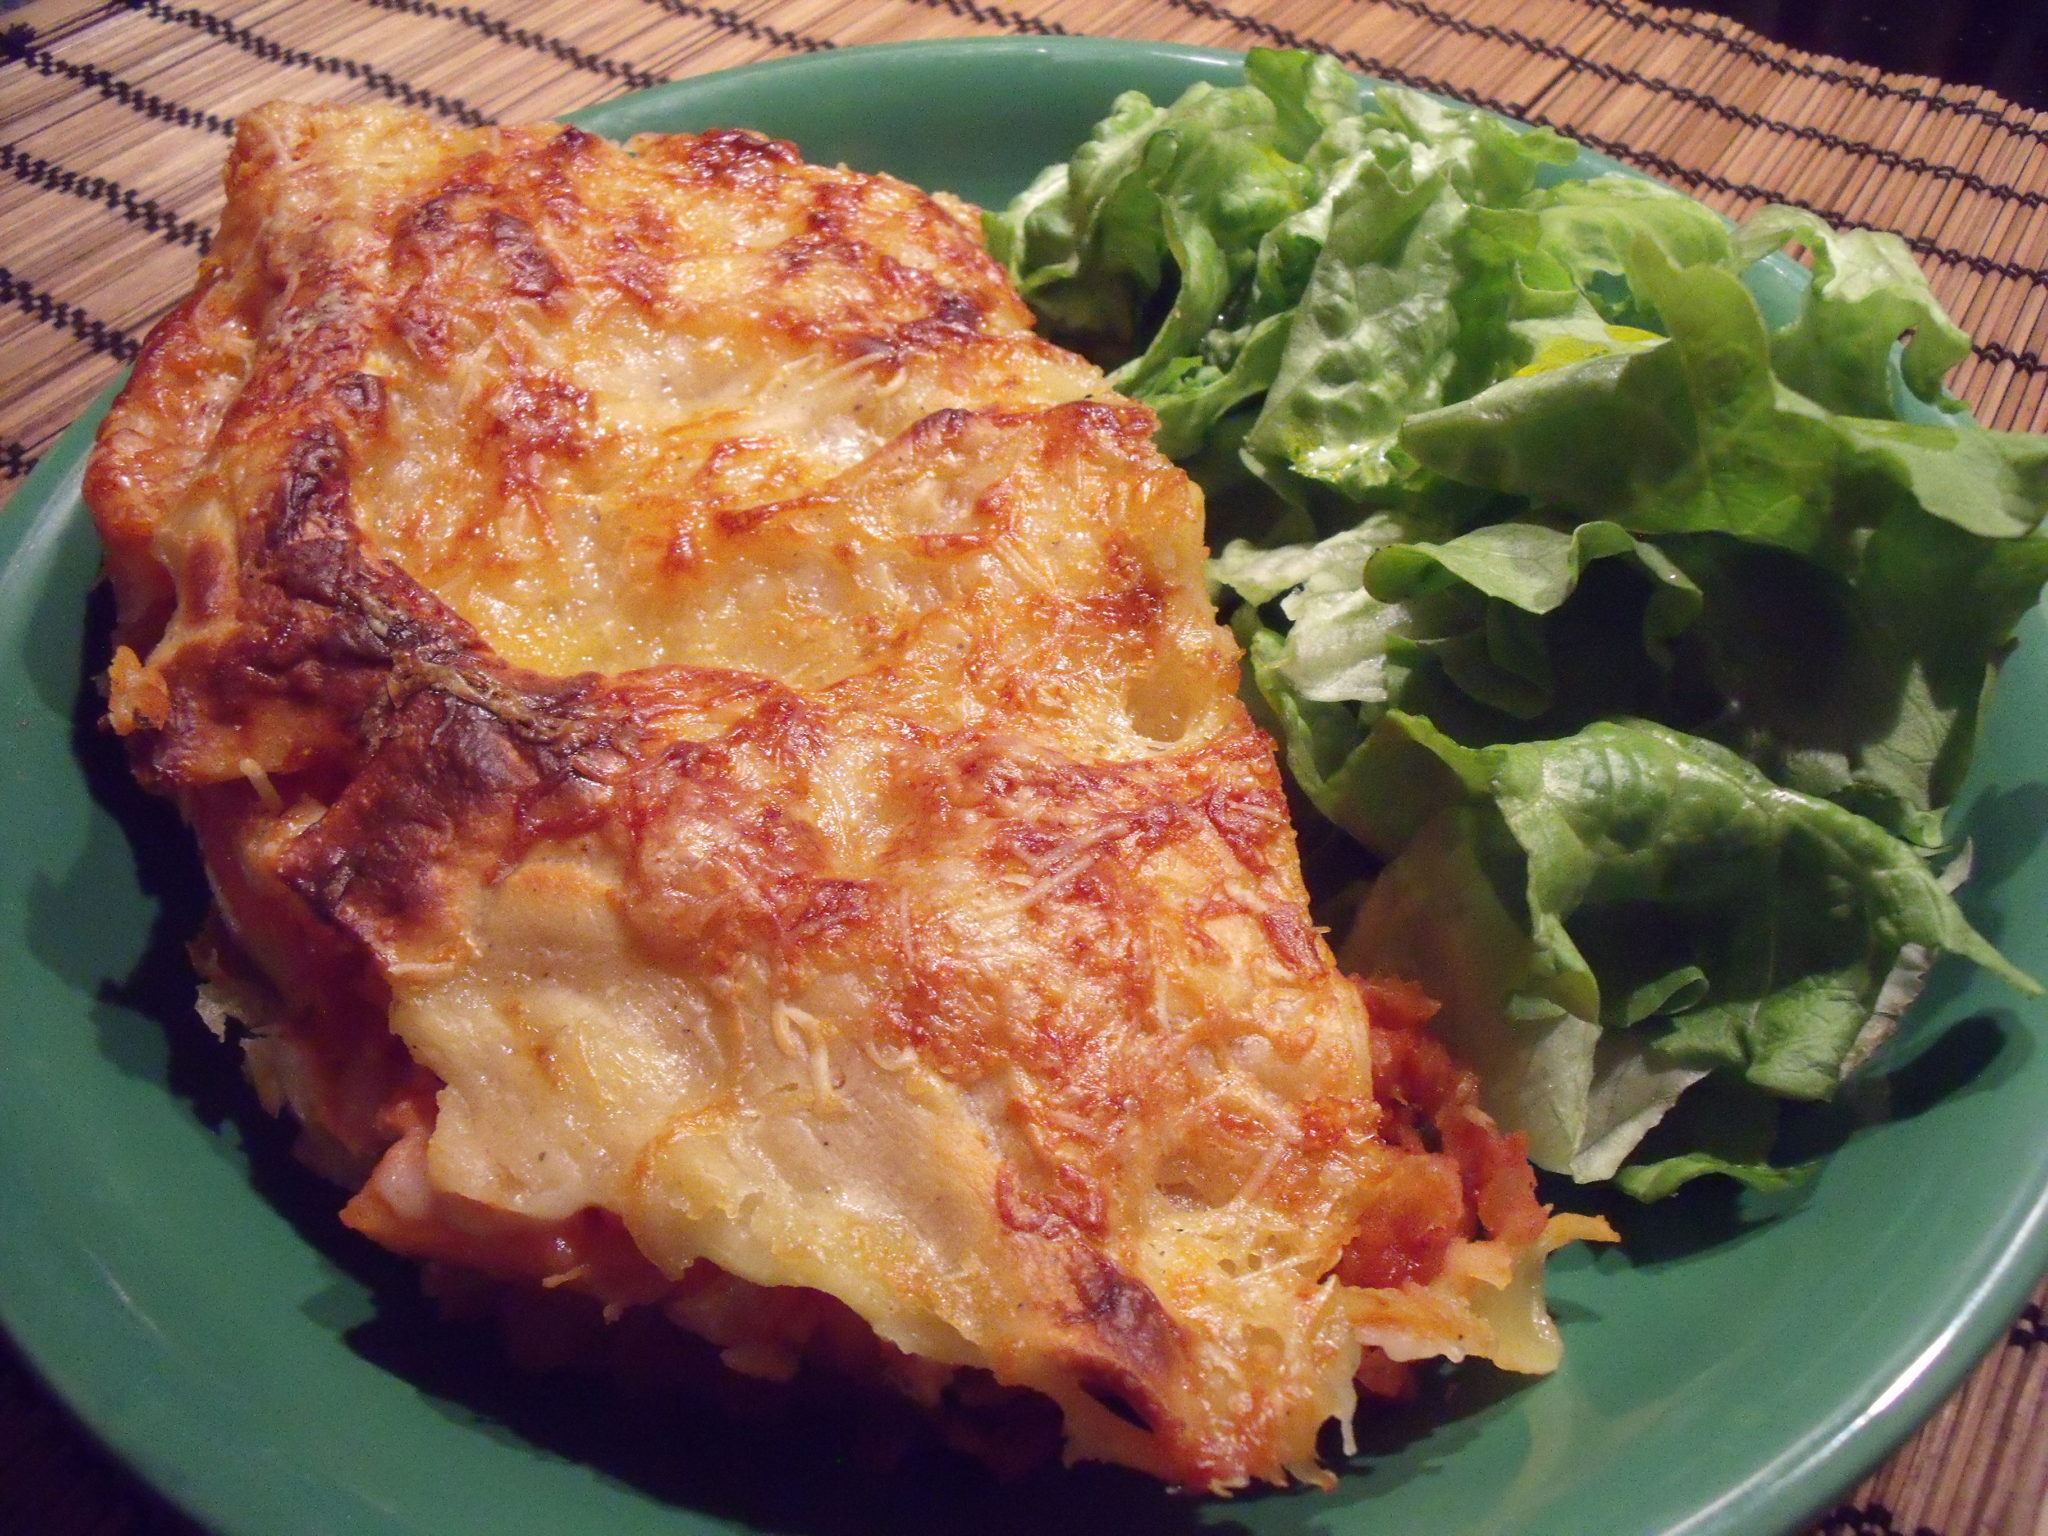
(724,793)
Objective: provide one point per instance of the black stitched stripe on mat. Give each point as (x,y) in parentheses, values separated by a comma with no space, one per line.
(524,37)
(107,340)
(126,201)
(1726,111)
(15,460)
(2031,1329)
(1890,159)
(18,46)
(2020,362)
(1672,24)
(271,51)
(733,23)
(997,16)
(1866,1520)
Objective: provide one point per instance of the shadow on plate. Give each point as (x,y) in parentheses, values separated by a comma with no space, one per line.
(1967,1056)
(1447,1414)
(650,1409)
(2003,828)
(1971,1055)
(1707,1213)
(143,1011)
(55,1465)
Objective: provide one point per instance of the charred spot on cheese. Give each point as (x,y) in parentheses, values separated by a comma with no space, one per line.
(725,794)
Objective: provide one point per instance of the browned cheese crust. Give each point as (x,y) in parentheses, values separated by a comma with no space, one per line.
(700,723)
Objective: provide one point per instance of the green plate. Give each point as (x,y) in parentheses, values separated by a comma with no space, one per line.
(186,1288)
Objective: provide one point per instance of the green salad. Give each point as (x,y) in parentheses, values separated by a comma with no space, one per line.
(1634,631)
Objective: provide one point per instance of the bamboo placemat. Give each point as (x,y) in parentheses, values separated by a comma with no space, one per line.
(114,118)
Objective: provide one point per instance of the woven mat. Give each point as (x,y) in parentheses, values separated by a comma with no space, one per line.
(116,118)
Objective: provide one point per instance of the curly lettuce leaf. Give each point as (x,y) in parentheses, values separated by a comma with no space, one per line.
(1084,240)
(1170,205)
(1589,227)
(1372,341)
(1312,95)
(1485,632)
(1664,1177)
(1220,182)
(1834,671)
(1611,917)
(1511,462)
(1867,292)
(1722,1126)
(1411,277)
(1701,435)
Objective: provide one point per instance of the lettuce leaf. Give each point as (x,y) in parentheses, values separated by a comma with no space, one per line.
(1634,608)
(1866,293)
(1830,668)
(1609,917)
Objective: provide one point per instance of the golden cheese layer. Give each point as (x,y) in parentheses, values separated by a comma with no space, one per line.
(699,721)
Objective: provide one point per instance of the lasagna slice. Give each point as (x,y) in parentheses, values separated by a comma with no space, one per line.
(724,792)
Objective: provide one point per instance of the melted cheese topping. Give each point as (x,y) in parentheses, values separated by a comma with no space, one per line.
(705,729)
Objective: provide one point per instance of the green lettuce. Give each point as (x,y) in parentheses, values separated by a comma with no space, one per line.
(1630,608)
(1674,913)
